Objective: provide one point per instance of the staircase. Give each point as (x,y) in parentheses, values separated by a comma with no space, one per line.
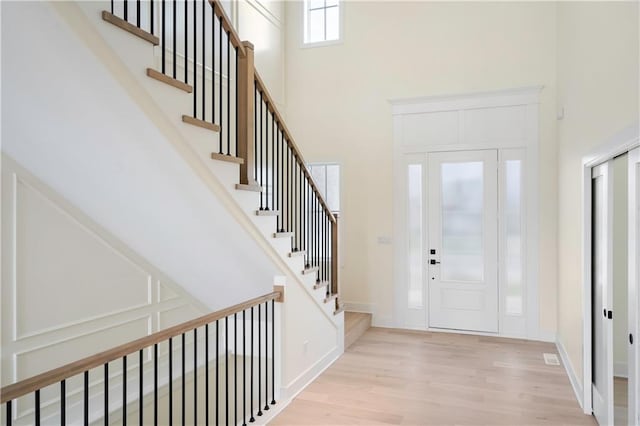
(222,107)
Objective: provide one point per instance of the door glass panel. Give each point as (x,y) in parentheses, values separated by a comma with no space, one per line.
(513,243)
(462,217)
(415,233)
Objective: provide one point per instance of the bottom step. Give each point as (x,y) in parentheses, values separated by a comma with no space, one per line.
(355,325)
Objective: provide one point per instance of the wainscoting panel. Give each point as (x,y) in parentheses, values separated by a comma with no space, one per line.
(69,288)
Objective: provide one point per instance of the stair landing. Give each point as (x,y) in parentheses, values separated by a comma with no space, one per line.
(355,325)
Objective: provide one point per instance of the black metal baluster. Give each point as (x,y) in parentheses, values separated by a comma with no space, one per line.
(9,414)
(155,384)
(63,402)
(112,14)
(228,94)
(273,164)
(226,368)
(86,398)
(266,155)
(204,70)
(195,60)
(259,365)
(138,13)
(220,92)
(260,157)
(305,221)
(164,46)
(106,394)
(124,390)
(266,356)
(140,384)
(175,15)
(244,369)
(235,368)
(126,10)
(217,381)
(195,368)
(295,204)
(206,373)
(151,18)
(251,419)
(170,381)
(273,352)
(236,98)
(255,135)
(289,196)
(183,381)
(186,43)
(37,407)
(213,68)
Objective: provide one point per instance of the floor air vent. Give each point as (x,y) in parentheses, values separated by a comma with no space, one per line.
(551,359)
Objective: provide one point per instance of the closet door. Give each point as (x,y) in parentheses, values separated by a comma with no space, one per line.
(602,294)
(634,286)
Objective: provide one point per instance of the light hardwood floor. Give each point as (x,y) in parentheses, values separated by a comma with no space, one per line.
(420,378)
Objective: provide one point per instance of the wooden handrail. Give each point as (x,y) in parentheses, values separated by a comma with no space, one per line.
(19,389)
(228,26)
(271,105)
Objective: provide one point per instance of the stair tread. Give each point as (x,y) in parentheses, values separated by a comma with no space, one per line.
(320,284)
(200,123)
(355,325)
(310,270)
(329,298)
(297,253)
(267,212)
(163,78)
(245,187)
(227,158)
(282,234)
(121,23)
(338,310)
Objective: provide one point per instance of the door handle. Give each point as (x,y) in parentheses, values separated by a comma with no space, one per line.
(434,262)
(630,339)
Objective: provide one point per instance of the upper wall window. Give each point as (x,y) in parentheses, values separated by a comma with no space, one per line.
(321,21)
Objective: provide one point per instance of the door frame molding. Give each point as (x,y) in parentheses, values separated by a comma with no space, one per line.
(622,142)
(529,99)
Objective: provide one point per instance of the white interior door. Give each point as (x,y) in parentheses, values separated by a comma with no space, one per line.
(634,286)
(602,294)
(463,240)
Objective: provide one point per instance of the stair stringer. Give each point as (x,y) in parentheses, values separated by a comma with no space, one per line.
(127,57)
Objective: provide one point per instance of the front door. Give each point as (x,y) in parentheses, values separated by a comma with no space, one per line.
(463,240)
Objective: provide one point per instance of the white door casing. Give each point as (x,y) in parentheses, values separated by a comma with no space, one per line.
(505,120)
(463,287)
(634,285)
(602,292)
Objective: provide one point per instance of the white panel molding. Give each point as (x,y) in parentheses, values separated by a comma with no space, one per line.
(262,9)
(575,382)
(16,344)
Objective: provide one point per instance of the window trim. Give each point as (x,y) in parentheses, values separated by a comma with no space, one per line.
(323,43)
(325,164)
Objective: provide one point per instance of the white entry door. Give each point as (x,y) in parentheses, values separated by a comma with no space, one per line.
(463,240)
(634,286)
(602,294)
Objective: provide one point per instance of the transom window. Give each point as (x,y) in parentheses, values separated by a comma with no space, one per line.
(321,21)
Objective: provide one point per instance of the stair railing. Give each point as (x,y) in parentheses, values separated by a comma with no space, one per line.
(197,39)
(180,365)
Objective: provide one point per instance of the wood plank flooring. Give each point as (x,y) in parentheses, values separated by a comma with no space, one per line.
(421,378)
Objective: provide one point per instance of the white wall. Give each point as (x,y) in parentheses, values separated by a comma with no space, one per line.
(338,110)
(598,90)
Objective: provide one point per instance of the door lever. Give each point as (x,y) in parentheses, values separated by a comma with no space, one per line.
(434,262)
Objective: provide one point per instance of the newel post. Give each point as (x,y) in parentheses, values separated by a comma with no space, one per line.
(334,255)
(246,93)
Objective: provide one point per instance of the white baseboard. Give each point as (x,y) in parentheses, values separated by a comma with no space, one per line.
(546,336)
(297,385)
(573,378)
(620,370)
